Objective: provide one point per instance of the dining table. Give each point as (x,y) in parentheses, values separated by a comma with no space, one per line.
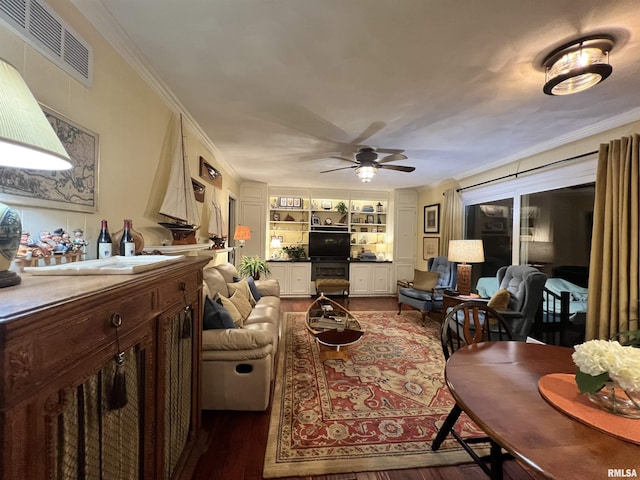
(496,385)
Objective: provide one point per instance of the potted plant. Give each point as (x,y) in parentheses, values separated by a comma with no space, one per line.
(295,253)
(254,266)
(341,207)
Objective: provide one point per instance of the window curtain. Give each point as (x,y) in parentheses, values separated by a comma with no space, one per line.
(451,219)
(613,273)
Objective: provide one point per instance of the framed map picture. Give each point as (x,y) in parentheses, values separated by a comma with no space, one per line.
(430,247)
(74,189)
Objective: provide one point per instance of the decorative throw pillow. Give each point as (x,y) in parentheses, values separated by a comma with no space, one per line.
(215,316)
(500,300)
(231,308)
(242,287)
(242,304)
(425,280)
(254,289)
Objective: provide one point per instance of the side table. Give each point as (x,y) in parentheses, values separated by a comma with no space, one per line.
(451,300)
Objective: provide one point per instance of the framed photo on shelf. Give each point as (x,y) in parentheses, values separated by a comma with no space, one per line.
(297,202)
(432,218)
(315,220)
(430,247)
(369,219)
(282,201)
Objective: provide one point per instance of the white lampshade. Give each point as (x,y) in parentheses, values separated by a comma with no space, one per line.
(27,139)
(466,251)
(276,243)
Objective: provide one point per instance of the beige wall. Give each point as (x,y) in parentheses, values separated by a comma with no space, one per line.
(433,195)
(136,131)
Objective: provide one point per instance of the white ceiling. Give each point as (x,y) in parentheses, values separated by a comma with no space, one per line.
(281,85)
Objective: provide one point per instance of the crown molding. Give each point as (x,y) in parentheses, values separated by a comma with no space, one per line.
(95,12)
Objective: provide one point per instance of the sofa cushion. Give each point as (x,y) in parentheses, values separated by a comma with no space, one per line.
(235,339)
(227,270)
(425,280)
(268,287)
(254,289)
(242,304)
(215,282)
(417,294)
(215,316)
(229,306)
(242,287)
(264,314)
(269,301)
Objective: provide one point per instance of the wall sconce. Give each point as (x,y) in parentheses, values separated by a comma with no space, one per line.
(27,140)
(242,234)
(578,65)
(463,252)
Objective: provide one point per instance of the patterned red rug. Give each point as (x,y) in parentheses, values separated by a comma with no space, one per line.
(378,410)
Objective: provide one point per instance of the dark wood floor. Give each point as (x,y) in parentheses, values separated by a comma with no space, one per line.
(236,441)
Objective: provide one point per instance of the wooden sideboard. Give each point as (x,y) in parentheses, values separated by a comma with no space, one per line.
(58,348)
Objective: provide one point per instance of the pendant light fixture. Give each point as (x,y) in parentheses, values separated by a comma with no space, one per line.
(366,173)
(578,65)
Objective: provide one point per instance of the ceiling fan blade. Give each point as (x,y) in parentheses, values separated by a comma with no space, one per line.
(345,158)
(336,169)
(389,150)
(371,130)
(399,168)
(392,158)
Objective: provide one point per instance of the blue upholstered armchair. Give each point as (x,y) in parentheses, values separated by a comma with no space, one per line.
(428,300)
(525,285)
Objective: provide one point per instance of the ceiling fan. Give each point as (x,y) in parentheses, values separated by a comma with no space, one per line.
(367,163)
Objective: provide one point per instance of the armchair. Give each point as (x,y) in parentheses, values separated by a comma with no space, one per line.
(525,285)
(428,300)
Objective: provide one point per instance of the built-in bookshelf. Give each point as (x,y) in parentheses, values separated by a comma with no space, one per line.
(293,215)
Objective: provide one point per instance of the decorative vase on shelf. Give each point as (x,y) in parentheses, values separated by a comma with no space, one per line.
(613,399)
(138,240)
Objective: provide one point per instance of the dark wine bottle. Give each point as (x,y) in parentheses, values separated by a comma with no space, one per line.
(127,244)
(104,241)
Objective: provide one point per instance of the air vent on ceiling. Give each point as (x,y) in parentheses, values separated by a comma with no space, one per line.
(38,24)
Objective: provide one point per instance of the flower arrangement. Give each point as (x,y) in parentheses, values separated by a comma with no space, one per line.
(600,361)
(609,373)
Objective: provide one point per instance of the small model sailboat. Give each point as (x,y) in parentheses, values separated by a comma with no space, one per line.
(217,228)
(179,202)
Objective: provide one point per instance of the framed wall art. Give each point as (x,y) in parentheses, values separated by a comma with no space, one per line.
(432,218)
(210,174)
(430,247)
(75,189)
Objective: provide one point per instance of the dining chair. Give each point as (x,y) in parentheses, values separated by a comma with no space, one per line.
(465,324)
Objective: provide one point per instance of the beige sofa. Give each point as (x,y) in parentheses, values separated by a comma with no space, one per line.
(238,364)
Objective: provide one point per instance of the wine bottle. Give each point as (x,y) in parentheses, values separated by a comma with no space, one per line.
(127,244)
(104,241)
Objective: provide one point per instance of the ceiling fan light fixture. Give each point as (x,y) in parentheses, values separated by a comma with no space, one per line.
(366,173)
(578,65)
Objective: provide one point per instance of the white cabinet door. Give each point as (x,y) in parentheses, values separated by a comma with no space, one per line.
(359,279)
(280,272)
(299,278)
(381,279)
(253,215)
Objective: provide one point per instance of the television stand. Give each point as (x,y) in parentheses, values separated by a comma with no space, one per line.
(329,269)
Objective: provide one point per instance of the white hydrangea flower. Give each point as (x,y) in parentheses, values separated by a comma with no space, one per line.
(596,357)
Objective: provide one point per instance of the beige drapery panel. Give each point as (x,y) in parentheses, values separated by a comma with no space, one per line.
(451,219)
(613,273)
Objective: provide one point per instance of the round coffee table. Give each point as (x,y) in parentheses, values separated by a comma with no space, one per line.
(333,326)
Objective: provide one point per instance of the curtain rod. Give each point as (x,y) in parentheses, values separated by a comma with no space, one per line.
(528,170)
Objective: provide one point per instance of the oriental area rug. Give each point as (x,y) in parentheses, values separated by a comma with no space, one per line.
(377,410)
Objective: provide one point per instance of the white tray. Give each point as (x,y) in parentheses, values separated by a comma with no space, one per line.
(106,266)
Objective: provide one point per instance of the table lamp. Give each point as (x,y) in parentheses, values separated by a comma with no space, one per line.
(464,252)
(27,140)
(276,244)
(242,234)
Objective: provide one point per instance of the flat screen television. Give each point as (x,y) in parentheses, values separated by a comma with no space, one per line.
(329,245)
